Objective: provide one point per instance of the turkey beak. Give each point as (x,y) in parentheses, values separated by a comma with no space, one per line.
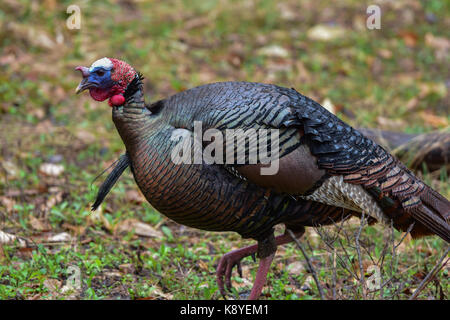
(84,84)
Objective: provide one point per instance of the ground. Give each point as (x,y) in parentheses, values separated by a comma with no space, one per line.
(54,143)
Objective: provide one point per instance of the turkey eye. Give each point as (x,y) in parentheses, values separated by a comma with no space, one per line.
(100,73)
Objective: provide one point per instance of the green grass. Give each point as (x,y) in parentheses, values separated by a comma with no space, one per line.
(369,75)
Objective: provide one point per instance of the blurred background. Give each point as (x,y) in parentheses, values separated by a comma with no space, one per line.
(53,143)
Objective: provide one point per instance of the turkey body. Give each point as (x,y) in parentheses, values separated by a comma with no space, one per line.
(204,196)
(327,169)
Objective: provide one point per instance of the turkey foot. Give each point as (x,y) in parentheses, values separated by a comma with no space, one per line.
(227,263)
(233,258)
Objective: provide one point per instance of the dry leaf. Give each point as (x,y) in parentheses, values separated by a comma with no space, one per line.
(434,120)
(11,169)
(390,123)
(325,32)
(54,200)
(441,46)
(407,65)
(245,281)
(36,224)
(26,252)
(385,53)
(112,274)
(139,228)
(7,238)
(196,22)
(302,73)
(203,265)
(236,54)
(60,237)
(79,230)
(404,246)
(97,216)
(8,203)
(37,296)
(159,293)
(34,36)
(365,265)
(438,88)
(127,268)
(410,38)
(439,43)
(296,268)
(51,169)
(19,193)
(307,285)
(274,51)
(52,285)
(313,236)
(85,136)
(134,196)
(294,289)
(327,104)
(286,12)
(412,104)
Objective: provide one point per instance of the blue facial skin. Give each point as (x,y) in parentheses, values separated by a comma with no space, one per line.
(100,80)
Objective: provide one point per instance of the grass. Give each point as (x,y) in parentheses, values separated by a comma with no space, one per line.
(392,78)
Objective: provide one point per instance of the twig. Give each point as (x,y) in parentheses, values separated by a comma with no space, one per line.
(358,250)
(347,255)
(319,287)
(411,226)
(397,275)
(367,250)
(383,253)
(393,248)
(382,259)
(430,275)
(331,247)
(334,274)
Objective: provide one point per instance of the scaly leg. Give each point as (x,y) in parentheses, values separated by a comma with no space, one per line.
(233,258)
(261,277)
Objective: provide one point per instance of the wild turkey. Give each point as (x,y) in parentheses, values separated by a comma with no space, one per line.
(327,170)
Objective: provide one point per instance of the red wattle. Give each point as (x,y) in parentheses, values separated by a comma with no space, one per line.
(117,100)
(99,94)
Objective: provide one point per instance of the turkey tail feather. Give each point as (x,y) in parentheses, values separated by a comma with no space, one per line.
(431,222)
(433,213)
(437,202)
(111,179)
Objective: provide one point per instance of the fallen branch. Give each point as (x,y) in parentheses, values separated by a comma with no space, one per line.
(411,226)
(7,238)
(308,261)
(431,274)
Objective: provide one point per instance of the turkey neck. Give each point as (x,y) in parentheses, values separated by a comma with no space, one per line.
(133,120)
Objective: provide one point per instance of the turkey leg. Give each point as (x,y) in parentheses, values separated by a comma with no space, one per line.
(233,258)
(261,276)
